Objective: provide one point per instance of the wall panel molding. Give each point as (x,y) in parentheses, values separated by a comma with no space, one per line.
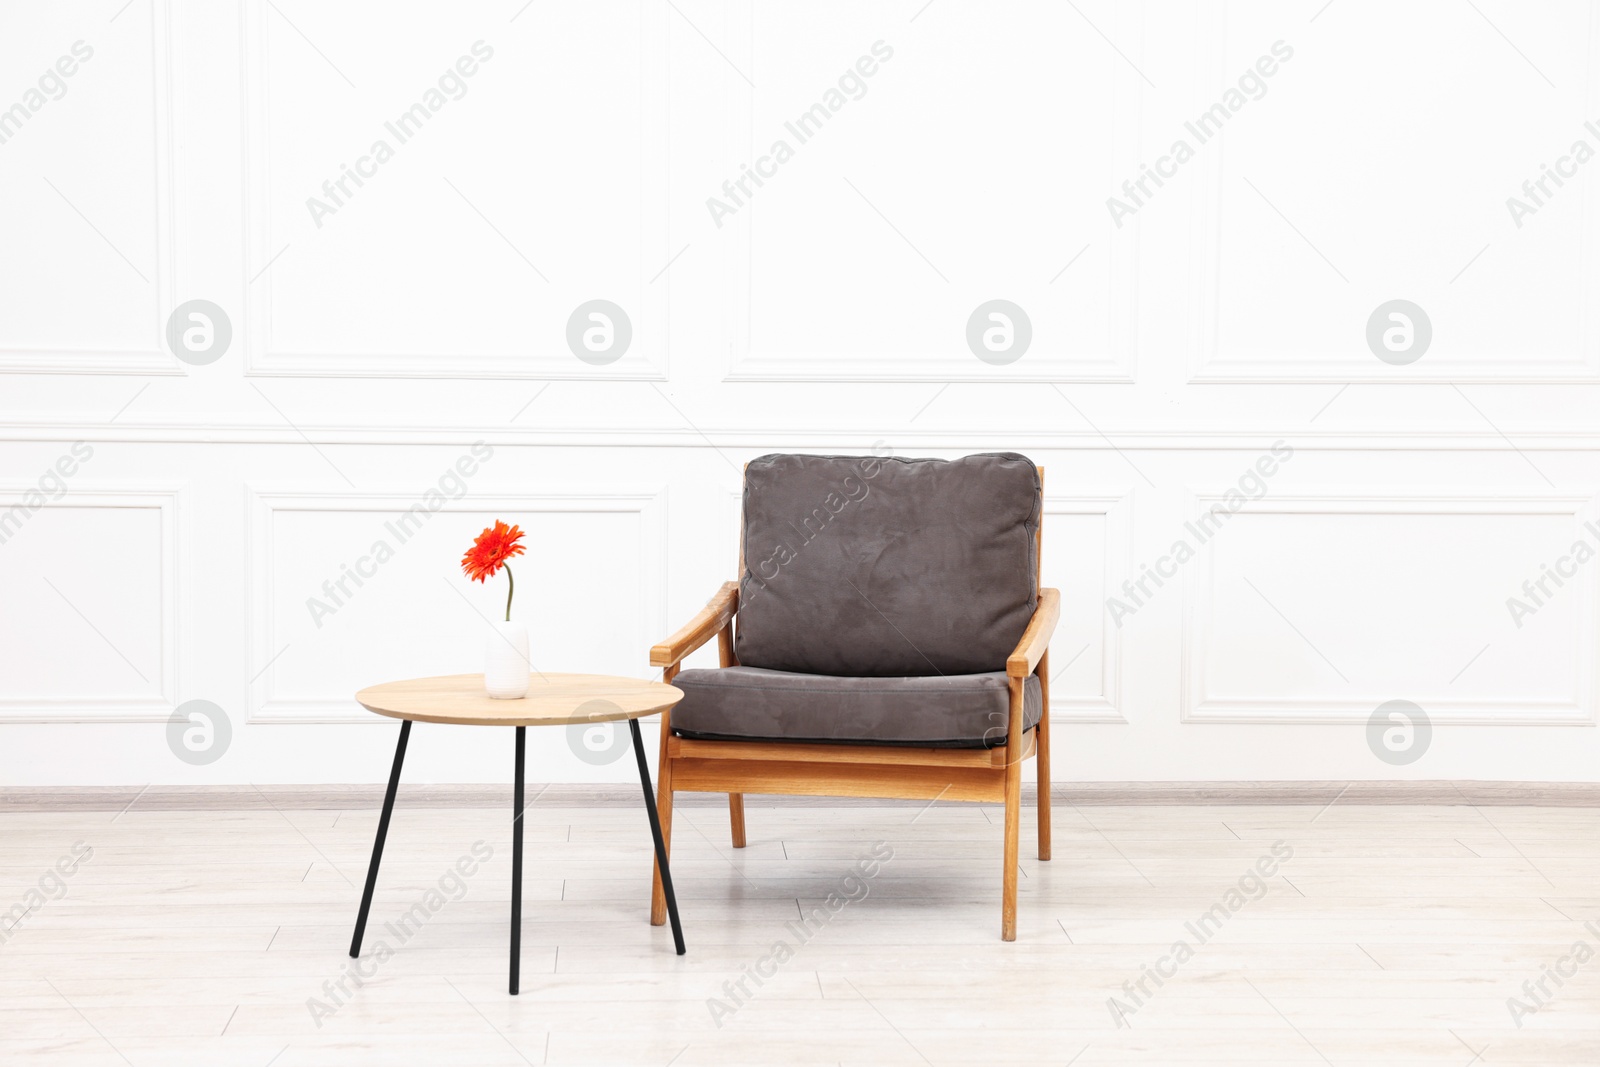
(1116,508)
(156,359)
(210,430)
(1117,254)
(168,502)
(1209,365)
(263,503)
(550,359)
(1197,705)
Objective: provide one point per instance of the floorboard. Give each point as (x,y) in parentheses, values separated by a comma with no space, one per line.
(1384,935)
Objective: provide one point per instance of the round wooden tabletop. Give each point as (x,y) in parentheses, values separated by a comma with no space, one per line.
(552,700)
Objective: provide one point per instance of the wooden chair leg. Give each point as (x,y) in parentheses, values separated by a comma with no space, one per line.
(1014,746)
(1042,757)
(736,817)
(1008,903)
(658,896)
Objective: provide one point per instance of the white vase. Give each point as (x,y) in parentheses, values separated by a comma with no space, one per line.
(505,662)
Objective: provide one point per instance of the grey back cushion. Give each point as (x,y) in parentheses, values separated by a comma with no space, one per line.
(886,567)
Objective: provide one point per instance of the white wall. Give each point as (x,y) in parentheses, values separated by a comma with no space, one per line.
(373,345)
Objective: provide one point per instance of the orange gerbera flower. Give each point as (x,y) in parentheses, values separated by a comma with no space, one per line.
(491,550)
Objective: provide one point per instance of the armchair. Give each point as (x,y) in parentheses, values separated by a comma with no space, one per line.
(887,637)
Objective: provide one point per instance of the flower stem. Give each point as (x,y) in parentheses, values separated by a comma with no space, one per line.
(511,592)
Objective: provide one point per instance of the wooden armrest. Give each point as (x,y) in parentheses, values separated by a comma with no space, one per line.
(717,613)
(1036,638)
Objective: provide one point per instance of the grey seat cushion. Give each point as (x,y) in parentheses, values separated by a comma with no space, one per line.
(887,567)
(751,704)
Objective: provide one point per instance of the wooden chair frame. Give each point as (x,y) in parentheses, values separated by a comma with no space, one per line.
(861,770)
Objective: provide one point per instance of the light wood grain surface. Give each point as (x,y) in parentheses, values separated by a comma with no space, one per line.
(1393,936)
(552,700)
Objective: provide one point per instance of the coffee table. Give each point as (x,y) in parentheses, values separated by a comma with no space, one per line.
(552,700)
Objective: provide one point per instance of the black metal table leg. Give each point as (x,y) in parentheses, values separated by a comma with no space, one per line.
(516,863)
(383,831)
(655,831)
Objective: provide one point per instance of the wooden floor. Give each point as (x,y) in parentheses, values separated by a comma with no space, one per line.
(1392,935)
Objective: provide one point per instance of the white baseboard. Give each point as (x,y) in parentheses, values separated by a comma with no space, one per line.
(229,797)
